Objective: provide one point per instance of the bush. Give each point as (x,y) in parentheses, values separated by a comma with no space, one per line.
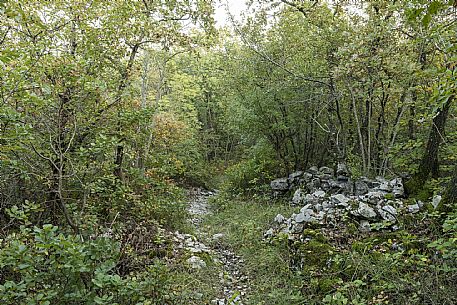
(251,174)
(43,266)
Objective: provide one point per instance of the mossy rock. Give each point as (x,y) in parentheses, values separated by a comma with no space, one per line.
(389,196)
(316,253)
(315,234)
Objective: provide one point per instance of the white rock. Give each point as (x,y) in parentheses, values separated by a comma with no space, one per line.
(281,184)
(366,211)
(298,196)
(269,233)
(364,226)
(413,208)
(436,201)
(279,219)
(218,236)
(319,194)
(339,199)
(388,212)
(196,262)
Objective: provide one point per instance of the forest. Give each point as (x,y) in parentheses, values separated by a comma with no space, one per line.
(297,152)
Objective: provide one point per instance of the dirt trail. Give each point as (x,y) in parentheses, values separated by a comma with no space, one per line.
(234,284)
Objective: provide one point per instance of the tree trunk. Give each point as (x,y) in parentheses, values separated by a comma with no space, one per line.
(429,163)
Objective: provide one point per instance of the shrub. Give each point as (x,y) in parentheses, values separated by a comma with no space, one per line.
(43,266)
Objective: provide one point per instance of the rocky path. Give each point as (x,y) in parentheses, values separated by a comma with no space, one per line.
(234,284)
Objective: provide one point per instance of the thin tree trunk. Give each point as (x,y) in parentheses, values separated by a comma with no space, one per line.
(429,163)
(359,131)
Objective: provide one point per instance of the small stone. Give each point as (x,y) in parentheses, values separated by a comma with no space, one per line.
(218,236)
(306,209)
(342,170)
(298,196)
(366,211)
(339,199)
(196,262)
(313,170)
(413,208)
(327,205)
(281,184)
(297,228)
(325,177)
(326,170)
(361,188)
(388,213)
(385,187)
(306,216)
(269,233)
(436,201)
(319,194)
(279,219)
(316,182)
(307,177)
(364,226)
(295,175)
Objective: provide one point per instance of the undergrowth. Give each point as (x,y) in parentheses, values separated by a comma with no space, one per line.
(413,265)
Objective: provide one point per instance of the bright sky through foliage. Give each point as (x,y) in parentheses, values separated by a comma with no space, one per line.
(235,8)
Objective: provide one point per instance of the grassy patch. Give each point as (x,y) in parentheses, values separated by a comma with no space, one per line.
(243,223)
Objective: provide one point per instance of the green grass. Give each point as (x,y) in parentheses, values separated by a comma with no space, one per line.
(243,223)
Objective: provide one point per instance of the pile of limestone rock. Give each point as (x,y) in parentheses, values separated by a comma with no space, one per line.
(327,196)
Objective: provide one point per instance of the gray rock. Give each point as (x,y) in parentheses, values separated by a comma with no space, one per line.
(325,177)
(381,179)
(361,188)
(218,236)
(366,211)
(307,176)
(340,200)
(397,188)
(295,175)
(297,228)
(336,186)
(196,262)
(298,197)
(310,199)
(385,187)
(313,170)
(325,186)
(306,209)
(319,194)
(398,192)
(436,201)
(281,184)
(342,170)
(413,208)
(316,182)
(269,233)
(326,170)
(279,219)
(374,197)
(342,178)
(364,226)
(326,205)
(388,213)
(305,217)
